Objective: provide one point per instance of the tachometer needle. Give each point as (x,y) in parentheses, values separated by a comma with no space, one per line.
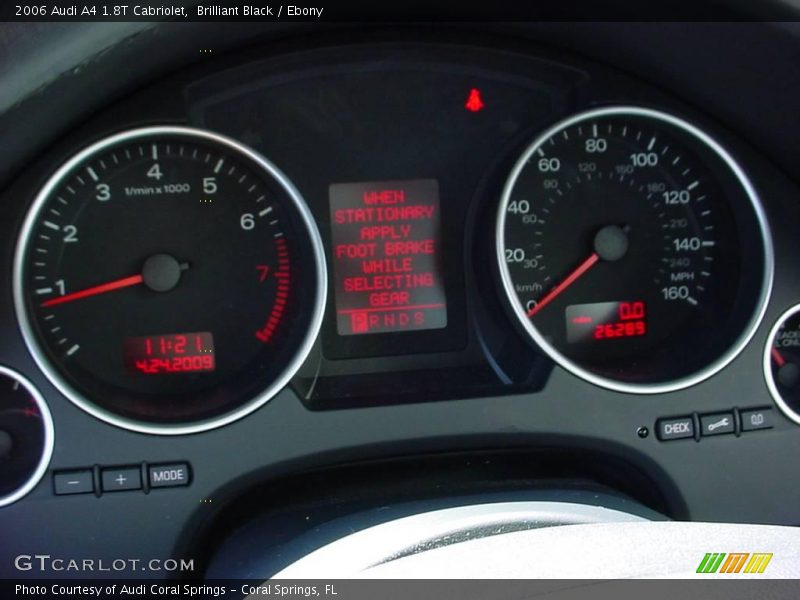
(94,291)
(568,281)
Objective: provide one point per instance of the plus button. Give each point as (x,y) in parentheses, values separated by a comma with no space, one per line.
(120,479)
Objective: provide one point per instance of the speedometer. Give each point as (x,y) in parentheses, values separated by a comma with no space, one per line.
(169,280)
(633,249)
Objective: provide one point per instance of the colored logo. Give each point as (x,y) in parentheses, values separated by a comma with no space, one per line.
(735,562)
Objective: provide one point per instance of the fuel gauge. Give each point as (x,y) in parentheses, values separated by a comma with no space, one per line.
(782,363)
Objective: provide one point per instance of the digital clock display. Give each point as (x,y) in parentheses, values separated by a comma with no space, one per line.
(171,353)
(605,321)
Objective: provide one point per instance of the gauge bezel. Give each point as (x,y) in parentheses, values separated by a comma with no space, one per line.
(49,439)
(767,363)
(568,364)
(52,373)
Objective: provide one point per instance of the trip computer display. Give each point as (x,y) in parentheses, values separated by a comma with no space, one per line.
(386,256)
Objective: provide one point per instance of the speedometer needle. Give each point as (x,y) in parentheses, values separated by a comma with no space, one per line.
(610,244)
(570,279)
(95,290)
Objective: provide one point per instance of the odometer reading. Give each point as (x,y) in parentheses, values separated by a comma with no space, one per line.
(629,224)
(169,280)
(176,353)
(605,321)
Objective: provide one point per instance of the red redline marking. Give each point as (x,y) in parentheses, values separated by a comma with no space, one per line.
(275,317)
(94,291)
(388,308)
(570,279)
(778,357)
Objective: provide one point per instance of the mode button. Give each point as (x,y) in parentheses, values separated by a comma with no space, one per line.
(169,475)
(675,428)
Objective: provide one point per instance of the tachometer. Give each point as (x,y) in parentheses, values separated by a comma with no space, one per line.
(169,280)
(633,249)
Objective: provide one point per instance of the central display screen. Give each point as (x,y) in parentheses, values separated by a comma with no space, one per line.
(386,240)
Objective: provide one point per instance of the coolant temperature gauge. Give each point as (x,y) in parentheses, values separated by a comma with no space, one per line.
(782,363)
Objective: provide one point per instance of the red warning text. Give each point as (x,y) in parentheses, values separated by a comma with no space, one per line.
(386,262)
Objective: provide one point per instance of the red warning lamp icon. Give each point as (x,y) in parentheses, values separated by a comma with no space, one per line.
(474,102)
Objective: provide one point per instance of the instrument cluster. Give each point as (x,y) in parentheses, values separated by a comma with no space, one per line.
(392,223)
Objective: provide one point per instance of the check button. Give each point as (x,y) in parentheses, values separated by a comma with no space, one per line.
(122,479)
(675,429)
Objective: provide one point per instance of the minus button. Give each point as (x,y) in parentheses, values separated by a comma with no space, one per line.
(73,482)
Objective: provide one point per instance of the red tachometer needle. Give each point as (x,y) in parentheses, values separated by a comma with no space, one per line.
(570,279)
(778,357)
(98,289)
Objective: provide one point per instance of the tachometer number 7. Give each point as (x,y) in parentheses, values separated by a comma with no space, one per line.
(263,271)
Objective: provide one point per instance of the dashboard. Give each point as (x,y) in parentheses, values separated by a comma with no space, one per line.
(303,278)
